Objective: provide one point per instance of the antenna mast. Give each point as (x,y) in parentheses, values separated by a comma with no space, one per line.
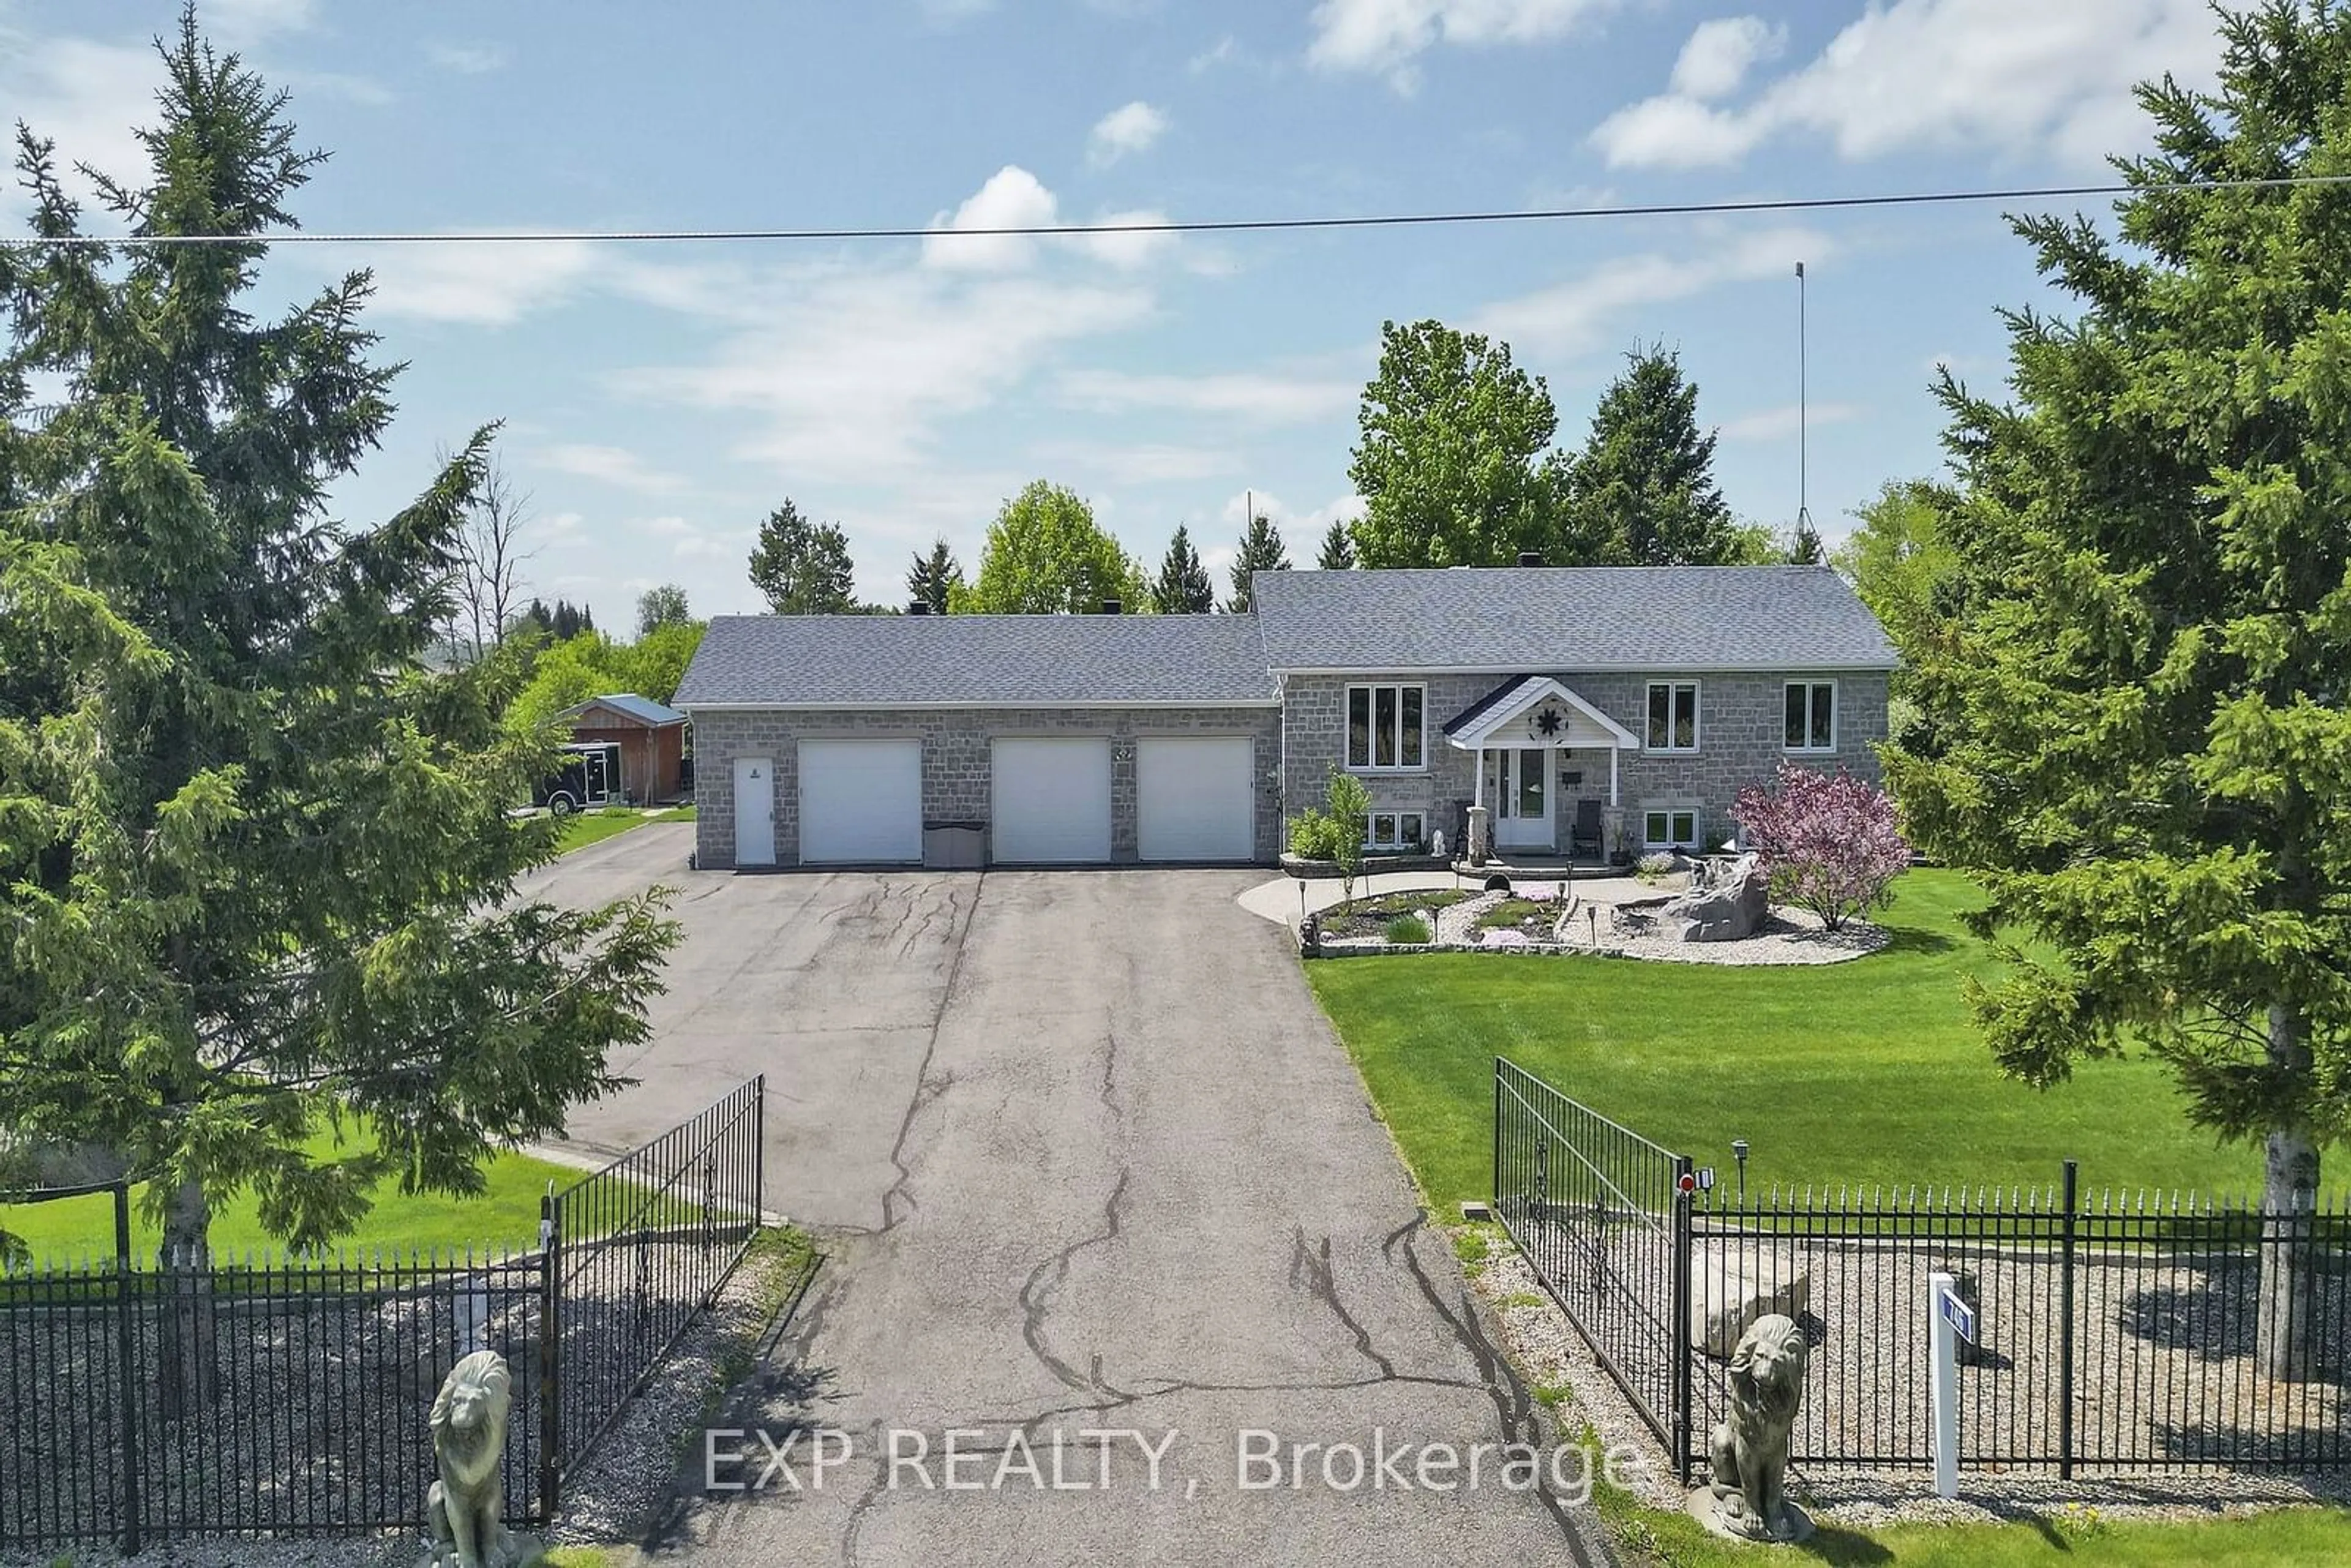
(1803,452)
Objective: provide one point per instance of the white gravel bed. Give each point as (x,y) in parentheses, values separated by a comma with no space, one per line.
(633,1471)
(1549,1352)
(1789,937)
(610,1500)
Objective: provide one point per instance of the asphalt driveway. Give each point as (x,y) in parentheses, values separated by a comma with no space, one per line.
(1102,1195)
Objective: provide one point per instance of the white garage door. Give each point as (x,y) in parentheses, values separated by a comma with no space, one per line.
(860,801)
(1194,799)
(1051,801)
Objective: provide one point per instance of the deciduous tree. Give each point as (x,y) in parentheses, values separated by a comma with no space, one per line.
(1828,841)
(803,568)
(1451,462)
(662,605)
(2142,687)
(1182,586)
(1046,555)
(257,874)
(491,553)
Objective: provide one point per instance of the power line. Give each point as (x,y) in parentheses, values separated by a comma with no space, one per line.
(1200,227)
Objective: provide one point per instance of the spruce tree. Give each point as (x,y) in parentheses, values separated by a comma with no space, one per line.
(2136,665)
(256,864)
(1182,586)
(933,577)
(1641,491)
(802,568)
(1338,548)
(1261,550)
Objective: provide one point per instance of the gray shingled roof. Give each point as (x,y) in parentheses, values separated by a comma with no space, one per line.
(644,710)
(878,660)
(1569,618)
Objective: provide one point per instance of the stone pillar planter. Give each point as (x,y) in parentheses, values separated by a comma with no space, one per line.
(1481,835)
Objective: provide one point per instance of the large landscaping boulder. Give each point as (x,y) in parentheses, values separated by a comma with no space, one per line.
(1730,908)
(1730,1292)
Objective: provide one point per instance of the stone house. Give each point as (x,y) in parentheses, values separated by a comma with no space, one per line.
(1583,713)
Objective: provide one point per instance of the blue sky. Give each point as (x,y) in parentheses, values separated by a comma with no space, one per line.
(660,399)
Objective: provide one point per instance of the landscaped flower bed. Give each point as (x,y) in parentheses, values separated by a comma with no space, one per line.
(1369,917)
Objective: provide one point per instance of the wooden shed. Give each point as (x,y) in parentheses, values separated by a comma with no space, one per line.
(651,738)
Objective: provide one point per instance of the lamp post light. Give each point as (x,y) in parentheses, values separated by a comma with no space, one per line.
(1738,1152)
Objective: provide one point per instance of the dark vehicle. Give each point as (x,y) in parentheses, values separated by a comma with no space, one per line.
(590,776)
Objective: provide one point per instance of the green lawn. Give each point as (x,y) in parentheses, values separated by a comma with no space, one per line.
(1868,1072)
(505,1215)
(584,828)
(2285,1538)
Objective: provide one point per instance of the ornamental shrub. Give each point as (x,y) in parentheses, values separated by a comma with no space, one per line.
(1828,841)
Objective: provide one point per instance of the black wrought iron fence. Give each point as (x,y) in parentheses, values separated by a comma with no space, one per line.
(637,1251)
(276,1395)
(1593,1205)
(2113,1332)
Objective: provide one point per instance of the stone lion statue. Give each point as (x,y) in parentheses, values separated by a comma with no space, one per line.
(1750,1448)
(464,1511)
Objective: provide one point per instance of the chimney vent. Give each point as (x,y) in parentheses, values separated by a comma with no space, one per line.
(1111,607)
(1530,558)
(918,607)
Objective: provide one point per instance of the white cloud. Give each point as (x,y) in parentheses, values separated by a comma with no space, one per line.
(1387,35)
(1013,198)
(1215,54)
(489,284)
(467,59)
(1144,238)
(240,22)
(86,97)
(2024,77)
(1263,397)
(848,368)
(614,466)
(1782,423)
(1145,464)
(1716,58)
(1301,532)
(1572,317)
(1129,128)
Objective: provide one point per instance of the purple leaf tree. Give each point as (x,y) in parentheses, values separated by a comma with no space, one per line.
(1828,841)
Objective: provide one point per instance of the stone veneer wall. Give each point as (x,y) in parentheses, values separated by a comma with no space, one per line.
(1740,727)
(956,770)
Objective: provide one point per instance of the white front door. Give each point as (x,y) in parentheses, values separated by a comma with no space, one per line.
(755,811)
(1519,780)
(1049,801)
(861,802)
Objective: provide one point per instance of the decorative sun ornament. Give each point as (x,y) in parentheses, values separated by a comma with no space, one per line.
(1548,723)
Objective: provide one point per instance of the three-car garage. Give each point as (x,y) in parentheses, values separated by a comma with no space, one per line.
(969,740)
(1051,800)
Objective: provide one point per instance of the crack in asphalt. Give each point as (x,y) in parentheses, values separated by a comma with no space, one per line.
(1033,1295)
(1312,1268)
(1035,1290)
(1514,1406)
(924,1091)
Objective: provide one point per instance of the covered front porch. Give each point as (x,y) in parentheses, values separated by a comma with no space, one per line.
(1547,789)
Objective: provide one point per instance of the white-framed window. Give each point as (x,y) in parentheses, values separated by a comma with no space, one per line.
(1669,828)
(1393,830)
(1810,717)
(1388,728)
(1673,715)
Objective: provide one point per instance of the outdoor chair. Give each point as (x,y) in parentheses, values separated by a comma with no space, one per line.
(1584,838)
